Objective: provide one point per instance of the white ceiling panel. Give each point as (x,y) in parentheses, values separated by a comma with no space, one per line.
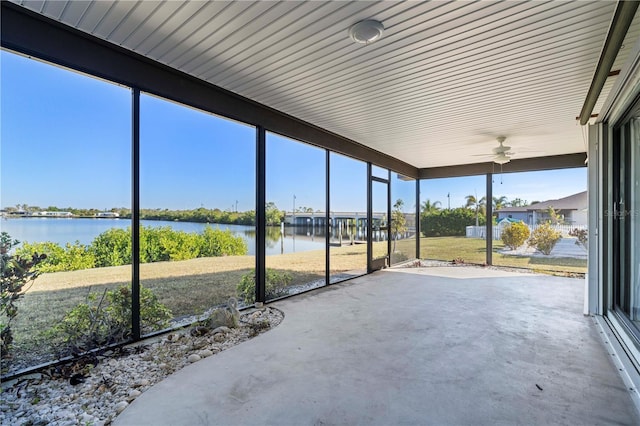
(445,80)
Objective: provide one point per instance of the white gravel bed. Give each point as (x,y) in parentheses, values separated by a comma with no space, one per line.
(106,389)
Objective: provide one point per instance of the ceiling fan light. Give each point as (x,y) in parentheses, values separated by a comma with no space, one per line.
(366,32)
(501,159)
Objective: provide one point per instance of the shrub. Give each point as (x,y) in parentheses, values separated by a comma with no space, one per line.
(152,244)
(180,245)
(98,323)
(16,272)
(453,222)
(275,285)
(544,238)
(222,243)
(515,235)
(397,257)
(153,314)
(72,257)
(112,247)
(582,235)
(227,316)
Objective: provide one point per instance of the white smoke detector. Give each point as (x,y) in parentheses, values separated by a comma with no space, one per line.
(366,32)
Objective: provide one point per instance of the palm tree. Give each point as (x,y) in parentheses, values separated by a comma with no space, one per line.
(500,202)
(398,222)
(429,207)
(476,204)
(518,202)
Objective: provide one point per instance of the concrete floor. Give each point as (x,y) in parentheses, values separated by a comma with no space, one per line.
(431,346)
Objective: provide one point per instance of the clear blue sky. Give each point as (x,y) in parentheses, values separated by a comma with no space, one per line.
(66,142)
(529,186)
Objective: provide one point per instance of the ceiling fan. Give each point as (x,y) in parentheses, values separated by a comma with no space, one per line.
(500,154)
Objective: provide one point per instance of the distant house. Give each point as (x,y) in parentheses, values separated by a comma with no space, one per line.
(108,214)
(52,214)
(573,210)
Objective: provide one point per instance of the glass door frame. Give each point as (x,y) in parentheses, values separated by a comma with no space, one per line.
(374,264)
(621,275)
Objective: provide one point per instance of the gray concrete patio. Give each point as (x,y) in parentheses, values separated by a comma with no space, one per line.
(436,346)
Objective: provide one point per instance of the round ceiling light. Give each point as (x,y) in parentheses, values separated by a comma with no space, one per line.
(366,32)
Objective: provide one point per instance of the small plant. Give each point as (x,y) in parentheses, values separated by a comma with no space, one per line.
(398,257)
(544,238)
(98,323)
(275,285)
(227,316)
(16,272)
(515,235)
(582,236)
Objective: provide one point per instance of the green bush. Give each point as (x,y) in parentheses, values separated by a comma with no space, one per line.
(582,236)
(221,243)
(515,235)
(112,247)
(275,285)
(72,257)
(544,238)
(448,222)
(16,272)
(180,245)
(100,322)
(152,243)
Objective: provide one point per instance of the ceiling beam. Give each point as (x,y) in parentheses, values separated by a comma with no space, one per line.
(554,162)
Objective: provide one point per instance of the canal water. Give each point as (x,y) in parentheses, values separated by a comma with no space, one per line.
(84,230)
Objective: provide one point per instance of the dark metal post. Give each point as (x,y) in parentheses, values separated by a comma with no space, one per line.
(261,202)
(369,219)
(489,224)
(327,246)
(389,236)
(135,215)
(417,218)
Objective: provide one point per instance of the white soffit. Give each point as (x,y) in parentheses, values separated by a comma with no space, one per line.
(442,83)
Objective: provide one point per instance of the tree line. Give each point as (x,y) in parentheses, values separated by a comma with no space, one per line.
(438,222)
(199,215)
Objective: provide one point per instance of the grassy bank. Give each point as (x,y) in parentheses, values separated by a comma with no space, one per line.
(472,250)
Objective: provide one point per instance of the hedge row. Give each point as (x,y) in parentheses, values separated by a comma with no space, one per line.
(113,248)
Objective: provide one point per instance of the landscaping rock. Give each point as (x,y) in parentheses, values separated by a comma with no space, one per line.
(120,406)
(133,394)
(117,380)
(205,353)
(141,383)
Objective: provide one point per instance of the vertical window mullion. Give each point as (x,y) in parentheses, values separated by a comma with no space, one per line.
(417,220)
(327,246)
(135,216)
(261,202)
(489,219)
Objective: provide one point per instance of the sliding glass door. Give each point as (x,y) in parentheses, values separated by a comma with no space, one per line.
(626,223)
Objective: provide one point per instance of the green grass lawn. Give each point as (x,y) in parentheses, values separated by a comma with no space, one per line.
(472,250)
